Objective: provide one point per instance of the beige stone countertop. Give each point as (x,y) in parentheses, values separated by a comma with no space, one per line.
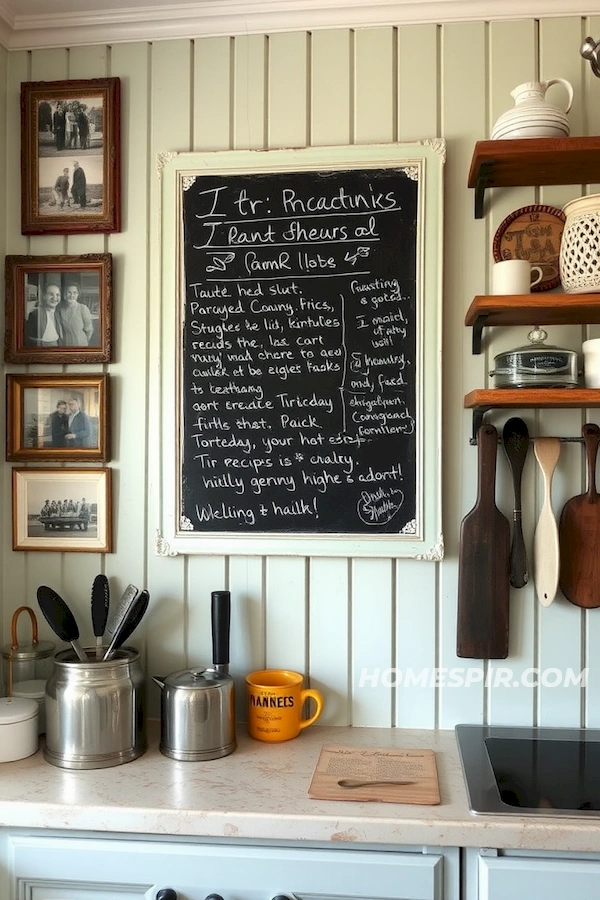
(261,792)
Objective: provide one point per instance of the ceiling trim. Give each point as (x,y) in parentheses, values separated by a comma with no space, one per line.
(240,17)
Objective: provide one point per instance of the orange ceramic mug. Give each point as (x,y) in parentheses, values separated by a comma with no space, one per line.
(275,702)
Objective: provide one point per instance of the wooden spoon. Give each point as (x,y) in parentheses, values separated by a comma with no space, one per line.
(546,554)
(515,437)
(579,535)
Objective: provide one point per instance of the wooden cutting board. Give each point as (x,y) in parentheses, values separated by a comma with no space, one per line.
(484,565)
(356,764)
(579,535)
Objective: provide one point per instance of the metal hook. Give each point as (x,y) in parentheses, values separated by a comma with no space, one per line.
(590,49)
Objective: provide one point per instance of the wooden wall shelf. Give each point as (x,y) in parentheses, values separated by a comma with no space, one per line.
(531,309)
(532,161)
(481,401)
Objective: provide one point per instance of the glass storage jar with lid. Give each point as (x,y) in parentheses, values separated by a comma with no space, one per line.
(27,667)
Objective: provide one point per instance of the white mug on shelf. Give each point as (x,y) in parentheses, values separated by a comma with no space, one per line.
(514,276)
(591,363)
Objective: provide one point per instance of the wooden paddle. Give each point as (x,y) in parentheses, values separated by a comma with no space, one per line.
(484,564)
(546,553)
(579,535)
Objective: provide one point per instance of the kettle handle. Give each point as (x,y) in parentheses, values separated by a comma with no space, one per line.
(568,87)
(221,616)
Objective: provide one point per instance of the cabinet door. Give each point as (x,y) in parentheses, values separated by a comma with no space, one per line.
(527,877)
(67,868)
(68,890)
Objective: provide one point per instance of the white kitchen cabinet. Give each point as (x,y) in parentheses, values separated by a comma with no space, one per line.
(520,875)
(42,867)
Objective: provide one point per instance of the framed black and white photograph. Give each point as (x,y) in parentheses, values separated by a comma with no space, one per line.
(57,417)
(62,509)
(58,309)
(70,156)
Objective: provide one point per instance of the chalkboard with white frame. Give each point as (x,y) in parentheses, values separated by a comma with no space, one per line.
(300,344)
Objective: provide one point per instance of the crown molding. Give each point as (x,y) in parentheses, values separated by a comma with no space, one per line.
(242,17)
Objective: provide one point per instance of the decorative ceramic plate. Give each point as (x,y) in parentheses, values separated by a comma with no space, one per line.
(533,233)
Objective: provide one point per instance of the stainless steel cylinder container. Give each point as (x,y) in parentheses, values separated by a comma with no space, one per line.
(197,714)
(95,711)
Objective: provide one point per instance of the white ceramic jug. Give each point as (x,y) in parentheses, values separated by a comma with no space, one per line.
(533,115)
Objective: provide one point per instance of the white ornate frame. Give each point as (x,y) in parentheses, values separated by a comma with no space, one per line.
(425,159)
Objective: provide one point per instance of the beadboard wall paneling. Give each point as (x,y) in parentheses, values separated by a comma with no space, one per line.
(344,622)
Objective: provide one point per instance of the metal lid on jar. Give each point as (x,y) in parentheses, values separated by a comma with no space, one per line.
(29,652)
(17,709)
(197,678)
(537,341)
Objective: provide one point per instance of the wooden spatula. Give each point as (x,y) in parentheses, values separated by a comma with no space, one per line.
(546,554)
(515,438)
(579,535)
(484,564)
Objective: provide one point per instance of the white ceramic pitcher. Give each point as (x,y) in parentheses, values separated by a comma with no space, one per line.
(533,115)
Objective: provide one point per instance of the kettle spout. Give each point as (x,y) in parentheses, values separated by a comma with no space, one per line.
(159,681)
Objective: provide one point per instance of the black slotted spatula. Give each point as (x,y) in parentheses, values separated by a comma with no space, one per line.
(100,604)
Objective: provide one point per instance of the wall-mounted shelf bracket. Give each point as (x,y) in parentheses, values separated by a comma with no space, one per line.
(478,414)
(478,325)
(482,182)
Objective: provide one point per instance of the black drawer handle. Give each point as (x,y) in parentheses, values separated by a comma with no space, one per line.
(167,894)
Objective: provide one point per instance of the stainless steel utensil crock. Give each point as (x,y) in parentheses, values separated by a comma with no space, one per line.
(95,711)
(197,714)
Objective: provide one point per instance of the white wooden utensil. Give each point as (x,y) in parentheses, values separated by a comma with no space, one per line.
(546,554)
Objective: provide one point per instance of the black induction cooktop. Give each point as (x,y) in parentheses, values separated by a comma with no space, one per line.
(530,771)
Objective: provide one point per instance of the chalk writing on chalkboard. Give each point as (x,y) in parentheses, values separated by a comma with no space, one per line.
(301,351)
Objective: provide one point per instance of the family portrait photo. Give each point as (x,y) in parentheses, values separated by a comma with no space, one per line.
(57,417)
(70,156)
(58,309)
(62,509)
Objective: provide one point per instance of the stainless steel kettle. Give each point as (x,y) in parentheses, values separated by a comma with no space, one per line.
(198,704)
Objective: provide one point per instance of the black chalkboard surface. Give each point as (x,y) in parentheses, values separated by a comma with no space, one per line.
(301,350)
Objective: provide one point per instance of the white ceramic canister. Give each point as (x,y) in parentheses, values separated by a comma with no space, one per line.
(580,246)
(18,728)
(591,362)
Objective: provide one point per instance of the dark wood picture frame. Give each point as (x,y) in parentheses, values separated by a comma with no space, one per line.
(57,418)
(36,525)
(71,156)
(34,281)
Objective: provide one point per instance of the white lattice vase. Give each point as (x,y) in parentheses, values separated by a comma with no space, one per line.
(580,246)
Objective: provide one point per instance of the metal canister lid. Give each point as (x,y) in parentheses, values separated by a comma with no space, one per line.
(29,652)
(17,709)
(26,652)
(197,678)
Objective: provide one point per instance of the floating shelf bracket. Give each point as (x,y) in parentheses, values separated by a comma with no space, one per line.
(483,182)
(478,414)
(478,326)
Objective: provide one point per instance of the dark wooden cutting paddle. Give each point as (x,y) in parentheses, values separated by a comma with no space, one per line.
(515,437)
(579,535)
(484,564)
